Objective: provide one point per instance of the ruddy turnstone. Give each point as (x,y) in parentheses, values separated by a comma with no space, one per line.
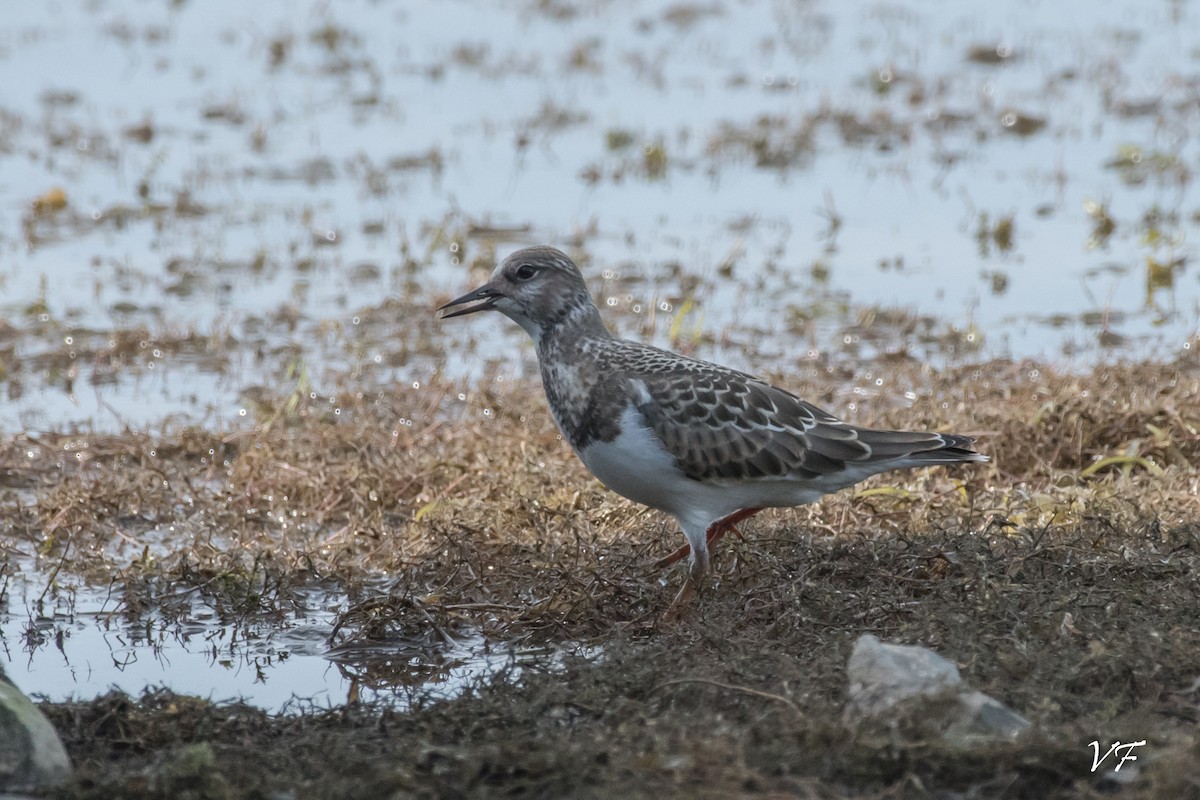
(709,445)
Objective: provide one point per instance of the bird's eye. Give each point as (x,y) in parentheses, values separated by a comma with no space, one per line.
(525,272)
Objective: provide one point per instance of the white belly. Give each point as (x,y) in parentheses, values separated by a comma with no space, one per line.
(636,465)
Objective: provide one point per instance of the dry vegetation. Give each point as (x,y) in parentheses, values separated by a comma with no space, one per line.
(1062,578)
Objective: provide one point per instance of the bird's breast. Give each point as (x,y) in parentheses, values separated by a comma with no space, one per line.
(568,390)
(584,401)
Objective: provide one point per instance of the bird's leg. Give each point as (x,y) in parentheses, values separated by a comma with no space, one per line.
(726,524)
(683,600)
(715,532)
(673,557)
(699,566)
(729,524)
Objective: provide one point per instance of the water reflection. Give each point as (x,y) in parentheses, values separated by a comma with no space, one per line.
(83,642)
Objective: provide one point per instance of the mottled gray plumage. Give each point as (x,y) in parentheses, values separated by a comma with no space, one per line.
(698,440)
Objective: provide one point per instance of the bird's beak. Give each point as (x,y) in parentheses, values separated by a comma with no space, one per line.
(486,293)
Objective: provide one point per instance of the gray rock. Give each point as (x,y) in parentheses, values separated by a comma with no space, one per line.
(31,755)
(913,693)
(883,675)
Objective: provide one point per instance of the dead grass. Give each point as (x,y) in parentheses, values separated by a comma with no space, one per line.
(1062,578)
(377,481)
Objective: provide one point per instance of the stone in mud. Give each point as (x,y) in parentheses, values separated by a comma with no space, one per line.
(31,755)
(915,694)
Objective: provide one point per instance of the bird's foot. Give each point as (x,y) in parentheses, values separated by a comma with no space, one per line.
(682,602)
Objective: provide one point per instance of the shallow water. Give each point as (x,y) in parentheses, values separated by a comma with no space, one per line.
(226,167)
(199,197)
(82,643)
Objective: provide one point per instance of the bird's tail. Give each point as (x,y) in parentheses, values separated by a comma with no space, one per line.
(919,449)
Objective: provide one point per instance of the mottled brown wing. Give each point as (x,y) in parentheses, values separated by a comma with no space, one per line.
(732,426)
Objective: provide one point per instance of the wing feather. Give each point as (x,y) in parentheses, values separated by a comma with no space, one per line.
(729,426)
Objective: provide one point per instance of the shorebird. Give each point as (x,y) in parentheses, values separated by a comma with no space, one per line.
(709,445)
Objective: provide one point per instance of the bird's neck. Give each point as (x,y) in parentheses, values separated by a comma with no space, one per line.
(574,322)
(570,350)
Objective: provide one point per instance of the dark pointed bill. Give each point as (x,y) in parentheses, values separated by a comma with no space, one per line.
(486,294)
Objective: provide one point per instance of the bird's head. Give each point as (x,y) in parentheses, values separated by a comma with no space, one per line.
(536,287)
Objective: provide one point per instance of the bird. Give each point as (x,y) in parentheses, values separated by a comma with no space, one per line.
(709,445)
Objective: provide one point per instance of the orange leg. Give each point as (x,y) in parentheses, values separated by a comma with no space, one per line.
(716,532)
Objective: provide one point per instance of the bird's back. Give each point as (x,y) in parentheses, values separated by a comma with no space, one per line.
(720,424)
